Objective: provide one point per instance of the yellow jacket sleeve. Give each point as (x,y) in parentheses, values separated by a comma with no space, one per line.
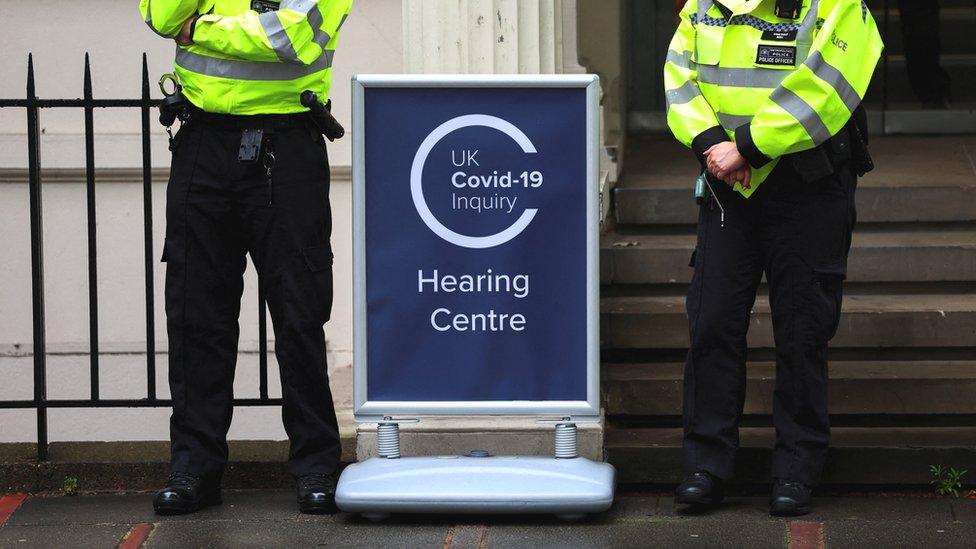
(166,17)
(690,117)
(815,101)
(298,32)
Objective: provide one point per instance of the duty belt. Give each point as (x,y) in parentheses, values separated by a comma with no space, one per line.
(265,122)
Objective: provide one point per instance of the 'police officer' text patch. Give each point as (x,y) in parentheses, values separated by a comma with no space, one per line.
(776,55)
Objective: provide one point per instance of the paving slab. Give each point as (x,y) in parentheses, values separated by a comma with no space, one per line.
(649,533)
(964,510)
(296,533)
(270,519)
(855,534)
(95,536)
(75,510)
(881,510)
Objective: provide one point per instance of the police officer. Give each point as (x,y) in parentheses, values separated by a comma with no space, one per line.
(767,94)
(250,175)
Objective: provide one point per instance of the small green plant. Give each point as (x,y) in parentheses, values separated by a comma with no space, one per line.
(948,480)
(70,486)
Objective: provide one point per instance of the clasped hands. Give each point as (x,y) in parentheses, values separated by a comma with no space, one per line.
(724,161)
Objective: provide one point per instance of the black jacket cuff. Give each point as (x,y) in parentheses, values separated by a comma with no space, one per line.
(747,147)
(706,139)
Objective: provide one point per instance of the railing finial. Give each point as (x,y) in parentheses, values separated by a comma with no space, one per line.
(31,92)
(145,77)
(88,78)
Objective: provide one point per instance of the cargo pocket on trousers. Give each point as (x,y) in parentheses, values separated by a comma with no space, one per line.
(318,260)
(828,295)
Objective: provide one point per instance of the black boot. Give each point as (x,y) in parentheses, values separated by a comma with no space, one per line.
(185,493)
(789,499)
(316,494)
(700,489)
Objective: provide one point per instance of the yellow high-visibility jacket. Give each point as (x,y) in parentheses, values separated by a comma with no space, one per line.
(252,61)
(775,86)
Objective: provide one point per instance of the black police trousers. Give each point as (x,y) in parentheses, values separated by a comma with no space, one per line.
(218,210)
(798,234)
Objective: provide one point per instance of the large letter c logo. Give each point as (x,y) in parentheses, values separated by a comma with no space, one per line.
(417,188)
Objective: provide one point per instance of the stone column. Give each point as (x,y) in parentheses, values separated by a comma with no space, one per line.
(490,36)
(527,37)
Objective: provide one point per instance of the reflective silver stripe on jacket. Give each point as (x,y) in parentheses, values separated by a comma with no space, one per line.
(683,94)
(680,58)
(831,75)
(318,35)
(804,114)
(239,69)
(279,39)
(732,121)
(741,78)
(804,36)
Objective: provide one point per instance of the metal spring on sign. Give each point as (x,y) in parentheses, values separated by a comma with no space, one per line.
(388,440)
(566,447)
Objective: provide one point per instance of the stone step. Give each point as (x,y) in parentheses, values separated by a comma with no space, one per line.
(917,320)
(877,256)
(858,455)
(856,387)
(658,184)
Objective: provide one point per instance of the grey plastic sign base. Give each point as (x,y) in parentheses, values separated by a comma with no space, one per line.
(568,488)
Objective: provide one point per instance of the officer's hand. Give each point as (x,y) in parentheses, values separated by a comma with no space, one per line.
(185,37)
(723,159)
(742,175)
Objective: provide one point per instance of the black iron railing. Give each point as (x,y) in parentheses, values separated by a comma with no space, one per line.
(40,402)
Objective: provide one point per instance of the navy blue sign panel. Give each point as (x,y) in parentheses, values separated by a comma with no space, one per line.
(475,245)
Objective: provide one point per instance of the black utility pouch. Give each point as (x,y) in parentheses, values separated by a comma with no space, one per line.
(812,165)
(861,160)
(839,148)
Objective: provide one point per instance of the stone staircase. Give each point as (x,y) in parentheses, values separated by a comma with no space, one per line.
(903,363)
